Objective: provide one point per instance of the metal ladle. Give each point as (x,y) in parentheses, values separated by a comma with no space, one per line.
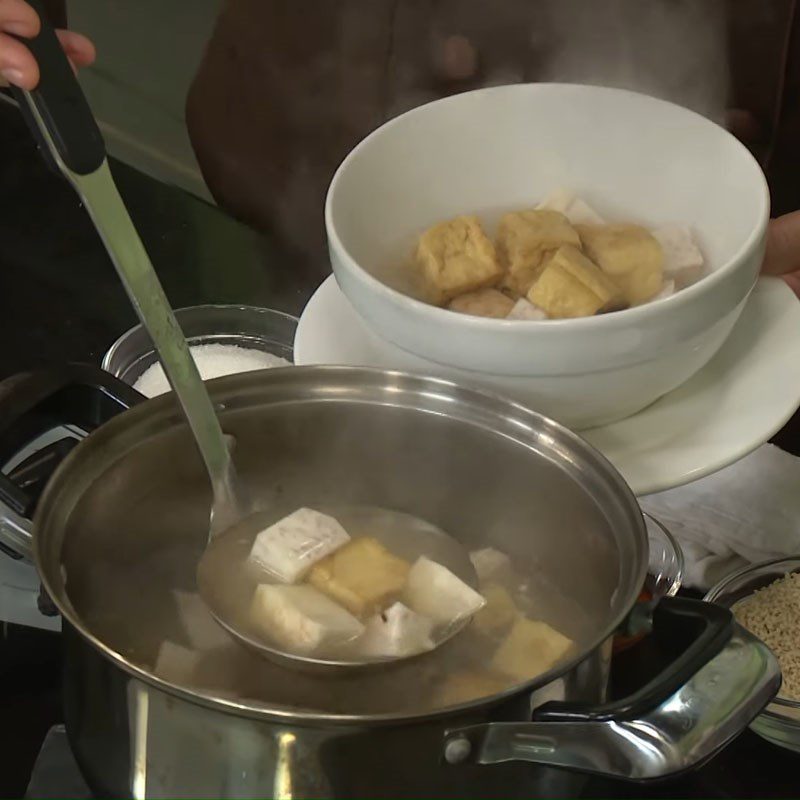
(227,593)
(70,141)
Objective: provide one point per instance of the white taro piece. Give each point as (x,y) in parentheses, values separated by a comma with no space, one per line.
(290,547)
(525,310)
(577,211)
(683,261)
(434,592)
(175,663)
(300,618)
(396,632)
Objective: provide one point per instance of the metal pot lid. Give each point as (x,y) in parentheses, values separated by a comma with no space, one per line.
(123,521)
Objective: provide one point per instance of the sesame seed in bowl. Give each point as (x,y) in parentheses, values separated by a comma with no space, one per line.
(765,599)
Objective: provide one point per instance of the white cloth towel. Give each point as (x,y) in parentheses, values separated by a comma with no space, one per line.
(746,513)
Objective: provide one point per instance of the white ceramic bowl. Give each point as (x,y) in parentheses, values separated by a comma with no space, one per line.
(633,157)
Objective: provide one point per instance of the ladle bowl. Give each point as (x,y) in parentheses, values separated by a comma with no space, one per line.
(226,580)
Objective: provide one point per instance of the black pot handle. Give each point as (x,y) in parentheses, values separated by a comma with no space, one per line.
(722,680)
(57,109)
(702,629)
(33,403)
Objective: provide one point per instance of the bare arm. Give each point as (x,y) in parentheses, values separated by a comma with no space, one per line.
(783,249)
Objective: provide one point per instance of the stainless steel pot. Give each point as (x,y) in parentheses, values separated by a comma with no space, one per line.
(489,471)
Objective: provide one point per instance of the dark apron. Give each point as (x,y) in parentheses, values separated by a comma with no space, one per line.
(287,87)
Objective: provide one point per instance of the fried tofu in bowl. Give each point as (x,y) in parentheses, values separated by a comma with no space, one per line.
(455,186)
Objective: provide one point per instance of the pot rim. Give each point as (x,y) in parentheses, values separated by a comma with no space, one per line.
(236,392)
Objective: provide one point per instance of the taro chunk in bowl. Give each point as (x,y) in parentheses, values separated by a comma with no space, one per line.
(632,158)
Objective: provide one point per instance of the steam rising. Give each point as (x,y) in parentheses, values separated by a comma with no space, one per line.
(672,49)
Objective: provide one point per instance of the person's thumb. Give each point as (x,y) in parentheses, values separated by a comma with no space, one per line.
(783,245)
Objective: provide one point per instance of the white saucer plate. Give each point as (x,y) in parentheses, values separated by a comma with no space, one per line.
(747,393)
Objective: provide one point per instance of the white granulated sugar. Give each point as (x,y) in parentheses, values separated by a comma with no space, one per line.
(213,361)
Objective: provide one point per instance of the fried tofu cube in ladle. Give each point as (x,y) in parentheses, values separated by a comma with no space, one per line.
(363,576)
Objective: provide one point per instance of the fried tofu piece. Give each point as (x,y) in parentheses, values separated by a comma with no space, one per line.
(530,649)
(525,241)
(483,303)
(363,576)
(456,257)
(572,286)
(466,685)
(630,255)
(499,612)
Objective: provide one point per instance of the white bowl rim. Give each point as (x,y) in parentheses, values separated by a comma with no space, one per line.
(595,323)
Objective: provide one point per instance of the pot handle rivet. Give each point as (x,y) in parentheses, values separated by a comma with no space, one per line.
(457,750)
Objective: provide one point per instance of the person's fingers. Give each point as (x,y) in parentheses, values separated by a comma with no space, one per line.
(743,125)
(783,245)
(19,18)
(793,280)
(80,50)
(17,65)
